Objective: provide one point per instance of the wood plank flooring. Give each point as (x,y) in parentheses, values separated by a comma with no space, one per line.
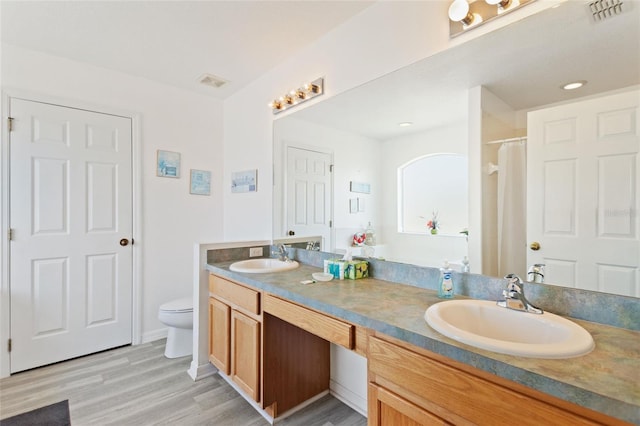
(137,385)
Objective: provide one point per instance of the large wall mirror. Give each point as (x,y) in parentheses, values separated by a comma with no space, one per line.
(510,82)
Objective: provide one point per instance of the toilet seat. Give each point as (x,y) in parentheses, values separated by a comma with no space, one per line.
(177,306)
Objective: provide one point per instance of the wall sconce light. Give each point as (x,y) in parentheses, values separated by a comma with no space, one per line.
(467,14)
(298,96)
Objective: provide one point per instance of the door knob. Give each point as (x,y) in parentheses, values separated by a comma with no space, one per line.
(124,242)
(292,233)
(535,246)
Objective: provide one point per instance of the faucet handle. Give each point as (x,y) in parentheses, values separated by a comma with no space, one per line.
(514,283)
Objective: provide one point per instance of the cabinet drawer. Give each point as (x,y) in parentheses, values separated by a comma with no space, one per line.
(468,396)
(328,328)
(238,295)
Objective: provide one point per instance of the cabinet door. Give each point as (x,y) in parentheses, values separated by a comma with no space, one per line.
(219,334)
(245,353)
(389,409)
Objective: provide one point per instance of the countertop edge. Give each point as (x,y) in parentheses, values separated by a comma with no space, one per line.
(466,355)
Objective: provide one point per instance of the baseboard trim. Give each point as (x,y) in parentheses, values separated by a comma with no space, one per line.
(254,404)
(197,372)
(348,397)
(300,406)
(154,335)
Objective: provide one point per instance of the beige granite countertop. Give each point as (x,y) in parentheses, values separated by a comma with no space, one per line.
(605,380)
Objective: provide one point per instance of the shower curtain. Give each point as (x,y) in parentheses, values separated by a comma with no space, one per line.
(512,209)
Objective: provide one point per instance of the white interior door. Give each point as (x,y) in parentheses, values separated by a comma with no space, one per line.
(309,193)
(70,206)
(583,193)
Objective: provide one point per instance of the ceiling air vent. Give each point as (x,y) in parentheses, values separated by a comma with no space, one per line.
(212,80)
(602,9)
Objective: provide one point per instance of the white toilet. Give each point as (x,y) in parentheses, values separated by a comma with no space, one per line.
(178,316)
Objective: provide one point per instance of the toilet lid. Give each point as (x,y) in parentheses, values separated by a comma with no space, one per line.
(179,305)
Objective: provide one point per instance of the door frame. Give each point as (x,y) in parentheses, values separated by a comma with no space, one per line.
(136,163)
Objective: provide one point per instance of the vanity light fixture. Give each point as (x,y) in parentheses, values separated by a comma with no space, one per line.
(298,96)
(574,85)
(467,14)
(405,124)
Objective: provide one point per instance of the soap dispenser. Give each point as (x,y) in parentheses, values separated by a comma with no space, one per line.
(445,286)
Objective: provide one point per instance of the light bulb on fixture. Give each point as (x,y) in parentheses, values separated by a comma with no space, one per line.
(500,3)
(459,12)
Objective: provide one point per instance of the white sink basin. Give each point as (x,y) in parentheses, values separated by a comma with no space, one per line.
(263,265)
(485,325)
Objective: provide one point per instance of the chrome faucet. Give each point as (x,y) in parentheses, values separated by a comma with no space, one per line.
(281,251)
(313,245)
(514,296)
(536,273)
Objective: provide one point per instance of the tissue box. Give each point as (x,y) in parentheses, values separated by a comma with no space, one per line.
(335,268)
(356,269)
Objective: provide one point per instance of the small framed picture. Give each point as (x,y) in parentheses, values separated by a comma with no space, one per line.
(200,183)
(245,181)
(360,204)
(168,164)
(362,187)
(353,205)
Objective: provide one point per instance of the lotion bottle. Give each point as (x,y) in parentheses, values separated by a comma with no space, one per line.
(445,286)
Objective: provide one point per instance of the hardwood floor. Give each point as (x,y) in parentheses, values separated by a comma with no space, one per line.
(137,385)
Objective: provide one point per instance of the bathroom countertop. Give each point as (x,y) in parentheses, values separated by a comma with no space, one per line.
(605,380)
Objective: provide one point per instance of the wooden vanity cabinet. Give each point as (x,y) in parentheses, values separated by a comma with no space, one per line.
(245,353)
(412,386)
(219,334)
(235,326)
(297,352)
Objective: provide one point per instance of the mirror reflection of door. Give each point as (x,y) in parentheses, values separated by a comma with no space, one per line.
(587,221)
(308,189)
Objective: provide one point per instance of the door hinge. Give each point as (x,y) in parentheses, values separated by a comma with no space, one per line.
(9,345)
(10,234)
(132,241)
(330,168)
(330,224)
(10,123)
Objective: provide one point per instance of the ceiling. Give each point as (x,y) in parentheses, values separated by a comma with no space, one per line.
(175,42)
(524,64)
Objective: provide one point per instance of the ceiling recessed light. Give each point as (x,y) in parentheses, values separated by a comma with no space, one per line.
(405,124)
(574,85)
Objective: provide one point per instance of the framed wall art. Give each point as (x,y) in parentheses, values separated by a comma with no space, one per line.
(362,187)
(168,164)
(200,182)
(245,181)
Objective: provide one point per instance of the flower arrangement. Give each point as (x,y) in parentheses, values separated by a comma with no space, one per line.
(434,224)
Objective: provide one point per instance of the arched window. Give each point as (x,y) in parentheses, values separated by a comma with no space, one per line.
(435,183)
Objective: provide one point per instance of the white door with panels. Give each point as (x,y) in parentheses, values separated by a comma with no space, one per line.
(583,193)
(71,227)
(309,193)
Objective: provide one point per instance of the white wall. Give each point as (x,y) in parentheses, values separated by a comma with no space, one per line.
(385,36)
(355,158)
(171,119)
(411,248)
(499,121)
